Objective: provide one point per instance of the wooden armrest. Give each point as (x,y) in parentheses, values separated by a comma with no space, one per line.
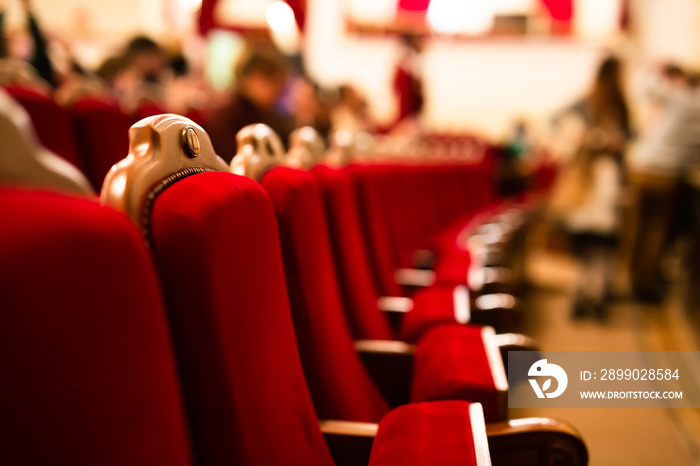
(390,364)
(499,310)
(423,259)
(394,307)
(514,342)
(489,280)
(350,443)
(414,277)
(535,442)
(395,304)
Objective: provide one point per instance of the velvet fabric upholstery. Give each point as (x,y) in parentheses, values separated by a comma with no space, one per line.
(215,243)
(376,227)
(339,383)
(148,108)
(102,132)
(88,373)
(405,208)
(52,123)
(351,254)
(441,371)
(431,307)
(425,434)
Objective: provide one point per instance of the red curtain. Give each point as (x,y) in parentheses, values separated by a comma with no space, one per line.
(207,20)
(413,5)
(560,10)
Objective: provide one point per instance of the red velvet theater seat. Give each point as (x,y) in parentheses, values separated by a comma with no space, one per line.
(351,255)
(88,374)
(52,123)
(215,242)
(376,198)
(401,439)
(339,384)
(441,372)
(340,387)
(435,305)
(101,130)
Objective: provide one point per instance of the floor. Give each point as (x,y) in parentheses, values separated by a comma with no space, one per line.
(614,436)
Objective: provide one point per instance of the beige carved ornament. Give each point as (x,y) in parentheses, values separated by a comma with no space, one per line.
(24,161)
(162,149)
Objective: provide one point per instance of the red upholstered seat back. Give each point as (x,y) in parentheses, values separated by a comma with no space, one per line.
(214,238)
(371,199)
(88,374)
(52,123)
(410,207)
(339,383)
(148,108)
(351,254)
(102,132)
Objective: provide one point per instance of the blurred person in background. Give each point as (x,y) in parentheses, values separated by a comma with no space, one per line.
(38,55)
(408,85)
(260,80)
(350,111)
(660,164)
(514,165)
(307,107)
(586,199)
(185,92)
(137,74)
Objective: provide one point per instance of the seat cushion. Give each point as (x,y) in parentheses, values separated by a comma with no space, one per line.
(460,362)
(438,433)
(434,306)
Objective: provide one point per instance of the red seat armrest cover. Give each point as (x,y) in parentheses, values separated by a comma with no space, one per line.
(452,363)
(445,433)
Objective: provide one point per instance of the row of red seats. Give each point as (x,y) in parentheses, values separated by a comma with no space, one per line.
(199,275)
(91,134)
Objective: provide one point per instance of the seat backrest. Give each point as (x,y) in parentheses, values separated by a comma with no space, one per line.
(24,161)
(52,123)
(102,131)
(214,239)
(88,373)
(340,386)
(351,255)
(371,200)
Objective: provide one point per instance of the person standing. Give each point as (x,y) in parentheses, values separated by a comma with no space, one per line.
(587,196)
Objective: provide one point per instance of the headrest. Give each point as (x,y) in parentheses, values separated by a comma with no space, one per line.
(162,150)
(259,149)
(23,160)
(305,148)
(342,149)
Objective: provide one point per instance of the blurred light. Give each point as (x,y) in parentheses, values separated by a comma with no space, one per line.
(190,6)
(224,48)
(513,7)
(461,16)
(372,11)
(280,17)
(597,18)
(245,13)
(285,35)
